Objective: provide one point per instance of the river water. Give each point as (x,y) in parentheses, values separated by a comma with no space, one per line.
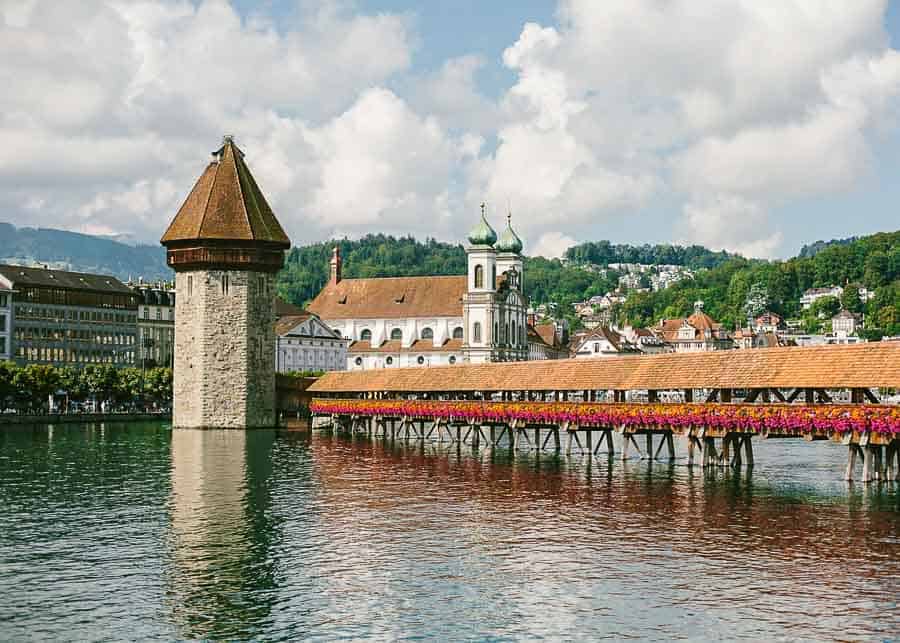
(137,532)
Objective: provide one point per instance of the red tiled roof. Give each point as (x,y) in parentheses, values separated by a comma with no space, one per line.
(395,346)
(391,298)
(847,366)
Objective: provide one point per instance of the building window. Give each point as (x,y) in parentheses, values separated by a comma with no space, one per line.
(396,334)
(476,332)
(159,313)
(427,333)
(358,361)
(2,301)
(494,277)
(224,284)
(596,347)
(458,332)
(420,360)
(479,276)
(452,359)
(389,360)
(366,335)
(262,285)
(2,323)
(190,286)
(496,332)
(2,344)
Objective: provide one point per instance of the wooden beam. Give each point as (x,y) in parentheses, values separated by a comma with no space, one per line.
(778,394)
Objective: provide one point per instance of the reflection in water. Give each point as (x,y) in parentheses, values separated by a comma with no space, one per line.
(137,532)
(222,573)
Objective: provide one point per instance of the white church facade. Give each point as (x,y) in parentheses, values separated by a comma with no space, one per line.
(394,322)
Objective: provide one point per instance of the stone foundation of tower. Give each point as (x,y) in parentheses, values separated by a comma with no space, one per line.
(224,375)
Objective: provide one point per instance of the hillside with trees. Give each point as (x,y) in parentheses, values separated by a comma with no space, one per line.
(871,262)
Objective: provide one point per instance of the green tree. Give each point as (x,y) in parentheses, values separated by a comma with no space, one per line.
(850,299)
(878,269)
(825,307)
(757,301)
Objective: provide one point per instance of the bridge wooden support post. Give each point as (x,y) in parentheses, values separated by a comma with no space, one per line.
(748,451)
(588,441)
(556,441)
(867,454)
(725,456)
(670,445)
(649,438)
(569,435)
(610,450)
(852,450)
(891,454)
(710,456)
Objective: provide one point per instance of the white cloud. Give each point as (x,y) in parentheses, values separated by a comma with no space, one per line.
(728,222)
(552,245)
(722,109)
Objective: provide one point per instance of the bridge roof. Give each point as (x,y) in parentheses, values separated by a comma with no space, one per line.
(854,366)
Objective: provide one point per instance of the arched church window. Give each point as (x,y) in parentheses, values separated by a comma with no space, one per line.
(479,276)
(476,332)
(366,335)
(396,334)
(521,336)
(427,333)
(421,360)
(389,360)
(452,359)
(494,277)
(458,332)
(496,333)
(358,361)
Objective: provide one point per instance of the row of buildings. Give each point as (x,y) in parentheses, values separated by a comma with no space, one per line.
(70,318)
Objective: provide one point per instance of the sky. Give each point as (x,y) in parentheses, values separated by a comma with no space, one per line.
(750,125)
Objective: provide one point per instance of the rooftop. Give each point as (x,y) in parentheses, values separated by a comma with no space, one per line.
(391,298)
(22,276)
(226,204)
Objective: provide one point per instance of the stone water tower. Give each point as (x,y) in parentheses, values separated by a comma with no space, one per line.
(225,246)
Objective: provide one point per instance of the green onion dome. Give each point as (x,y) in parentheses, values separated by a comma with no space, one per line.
(509,240)
(482,234)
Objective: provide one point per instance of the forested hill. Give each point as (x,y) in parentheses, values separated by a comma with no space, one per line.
(603,253)
(66,250)
(871,262)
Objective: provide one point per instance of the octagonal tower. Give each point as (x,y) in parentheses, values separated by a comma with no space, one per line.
(225,246)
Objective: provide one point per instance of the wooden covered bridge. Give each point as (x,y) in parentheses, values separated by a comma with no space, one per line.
(811,393)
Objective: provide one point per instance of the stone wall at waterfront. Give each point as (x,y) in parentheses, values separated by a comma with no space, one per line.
(224,374)
(80,418)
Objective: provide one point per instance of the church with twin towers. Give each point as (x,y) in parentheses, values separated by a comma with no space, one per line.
(434,320)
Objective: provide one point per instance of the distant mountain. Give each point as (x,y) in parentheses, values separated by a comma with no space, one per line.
(65,250)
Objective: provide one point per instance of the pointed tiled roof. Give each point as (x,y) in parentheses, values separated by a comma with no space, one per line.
(226,204)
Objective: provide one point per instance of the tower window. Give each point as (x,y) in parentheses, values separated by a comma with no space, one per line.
(476,332)
(366,335)
(458,332)
(358,361)
(421,360)
(427,333)
(396,334)
(224,284)
(452,359)
(494,277)
(479,276)
(190,286)
(389,360)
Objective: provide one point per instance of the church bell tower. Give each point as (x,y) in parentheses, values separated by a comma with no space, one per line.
(225,246)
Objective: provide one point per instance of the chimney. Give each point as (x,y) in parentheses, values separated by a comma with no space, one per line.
(335,265)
